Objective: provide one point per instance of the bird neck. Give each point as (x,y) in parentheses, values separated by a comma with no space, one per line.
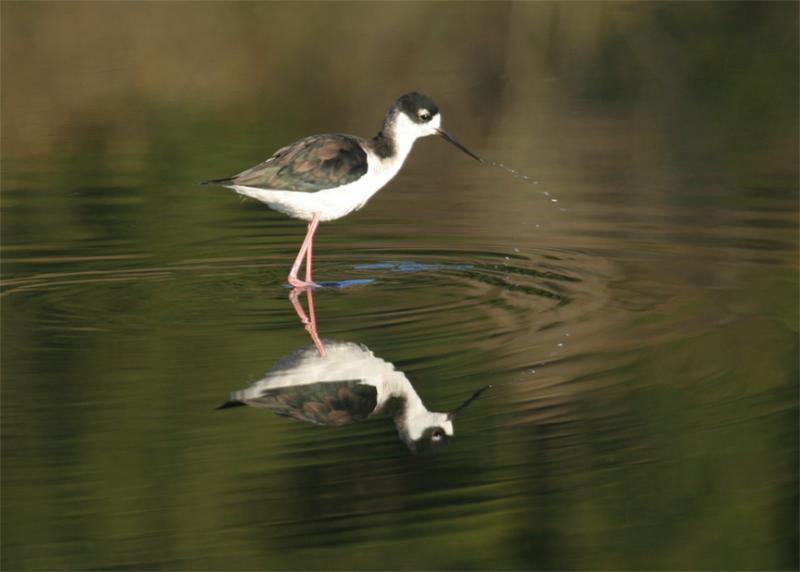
(401,398)
(383,145)
(409,414)
(395,140)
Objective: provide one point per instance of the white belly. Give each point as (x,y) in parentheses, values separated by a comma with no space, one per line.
(329,204)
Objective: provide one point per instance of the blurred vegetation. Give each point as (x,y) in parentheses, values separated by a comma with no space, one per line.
(74,75)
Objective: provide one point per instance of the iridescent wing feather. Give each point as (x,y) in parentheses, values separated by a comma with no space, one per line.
(321,403)
(310,164)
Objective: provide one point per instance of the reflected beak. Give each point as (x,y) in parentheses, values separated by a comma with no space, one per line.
(449,138)
(464,405)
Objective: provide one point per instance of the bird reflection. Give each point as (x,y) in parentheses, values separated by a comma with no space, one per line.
(337,383)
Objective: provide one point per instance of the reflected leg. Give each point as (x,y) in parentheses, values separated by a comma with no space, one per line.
(310,324)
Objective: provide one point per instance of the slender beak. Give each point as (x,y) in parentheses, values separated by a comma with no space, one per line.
(464,405)
(449,138)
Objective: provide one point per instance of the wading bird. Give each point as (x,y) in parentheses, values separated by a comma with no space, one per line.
(348,384)
(324,177)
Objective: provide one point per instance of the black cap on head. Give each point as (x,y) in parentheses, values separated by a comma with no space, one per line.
(412,103)
(433,439)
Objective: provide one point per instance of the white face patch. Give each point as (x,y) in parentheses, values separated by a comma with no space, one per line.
(448,428)
(418,421)
(434,123)
(406,130)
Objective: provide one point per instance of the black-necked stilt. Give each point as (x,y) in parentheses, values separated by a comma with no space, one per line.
(324,177)
(347,385)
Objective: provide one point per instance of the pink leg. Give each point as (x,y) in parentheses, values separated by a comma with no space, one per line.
(305,248)
(309,323)
(308,266)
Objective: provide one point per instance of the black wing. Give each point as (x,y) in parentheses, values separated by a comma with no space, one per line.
(311,164)
(321,403)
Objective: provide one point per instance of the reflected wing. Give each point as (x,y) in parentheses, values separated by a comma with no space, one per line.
(311,164)
(322,403)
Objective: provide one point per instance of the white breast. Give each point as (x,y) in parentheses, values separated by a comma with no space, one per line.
(344,361)
(330,204)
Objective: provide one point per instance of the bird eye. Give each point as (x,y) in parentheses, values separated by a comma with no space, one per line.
(424,114)
(437,435)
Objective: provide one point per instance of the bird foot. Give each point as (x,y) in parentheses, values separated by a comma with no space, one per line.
(297,283)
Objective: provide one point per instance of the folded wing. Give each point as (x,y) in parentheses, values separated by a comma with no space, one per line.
(321,403)
(311,164)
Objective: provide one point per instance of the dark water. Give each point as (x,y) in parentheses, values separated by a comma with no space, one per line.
(640,333)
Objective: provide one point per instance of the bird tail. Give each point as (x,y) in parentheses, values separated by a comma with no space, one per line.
(225,181)
(231,403)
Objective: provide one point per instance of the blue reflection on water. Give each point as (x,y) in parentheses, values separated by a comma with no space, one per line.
(410,266)
(346,283)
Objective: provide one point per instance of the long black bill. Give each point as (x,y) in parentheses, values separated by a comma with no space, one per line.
(464,405)
(449,138)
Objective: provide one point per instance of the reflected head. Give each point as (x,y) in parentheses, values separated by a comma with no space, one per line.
(433,440)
